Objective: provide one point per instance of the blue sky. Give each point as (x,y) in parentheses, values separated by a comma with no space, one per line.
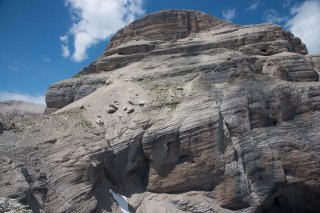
(45,41)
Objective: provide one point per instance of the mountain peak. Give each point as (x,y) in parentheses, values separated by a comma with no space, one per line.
(166,25)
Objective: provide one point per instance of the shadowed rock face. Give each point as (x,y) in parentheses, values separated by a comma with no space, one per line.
(295,198)
(212,118)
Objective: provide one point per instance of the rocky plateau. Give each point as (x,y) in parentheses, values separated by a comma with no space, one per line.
(183,112)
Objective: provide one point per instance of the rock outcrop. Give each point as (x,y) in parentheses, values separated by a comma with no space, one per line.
(68,91)
(223,118)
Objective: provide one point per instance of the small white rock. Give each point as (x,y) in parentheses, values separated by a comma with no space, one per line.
(108,82)
(99,121)
(142,103)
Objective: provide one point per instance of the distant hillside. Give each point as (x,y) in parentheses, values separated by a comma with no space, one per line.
(20,108)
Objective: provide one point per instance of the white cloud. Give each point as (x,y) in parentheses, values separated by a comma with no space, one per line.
(14,96)
(64,46)
(306,24)
(254,5)
(96,20)
(272,16)
(229,14)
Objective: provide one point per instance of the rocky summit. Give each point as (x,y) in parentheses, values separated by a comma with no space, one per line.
(183,112)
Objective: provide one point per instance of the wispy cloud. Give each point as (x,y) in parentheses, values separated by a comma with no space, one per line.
(229,14)
(14,66)
(254,5)
(14,96)
(95,21)
(272,16)
(306,24)
(286,3)
(65,46)
(46,59)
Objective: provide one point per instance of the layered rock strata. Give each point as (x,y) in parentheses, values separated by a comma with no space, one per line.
(223,118)
(68,91)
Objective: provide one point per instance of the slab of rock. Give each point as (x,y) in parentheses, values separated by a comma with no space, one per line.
(130,110)
(142,103)
(113,106)
(110,110)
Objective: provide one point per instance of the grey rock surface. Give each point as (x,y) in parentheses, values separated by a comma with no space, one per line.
(241,136)
(67,91)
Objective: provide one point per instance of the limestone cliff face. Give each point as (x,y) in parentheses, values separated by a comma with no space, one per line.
(158,34)
(166,26)
(182,113)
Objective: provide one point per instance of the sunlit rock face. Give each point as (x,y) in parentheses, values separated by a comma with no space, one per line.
(183,112)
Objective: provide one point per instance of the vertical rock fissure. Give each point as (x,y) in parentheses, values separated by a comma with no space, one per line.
(221,136)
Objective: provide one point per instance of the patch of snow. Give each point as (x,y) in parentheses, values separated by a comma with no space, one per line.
(121,200)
